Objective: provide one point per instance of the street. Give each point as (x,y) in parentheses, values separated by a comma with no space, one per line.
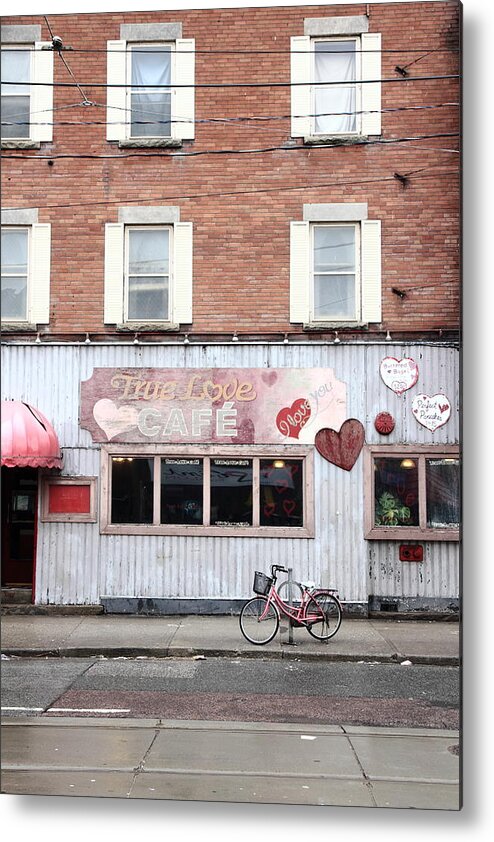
(233,689)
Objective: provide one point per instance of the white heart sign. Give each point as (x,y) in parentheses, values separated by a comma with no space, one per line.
(112,419)
(431,411)
(399,375)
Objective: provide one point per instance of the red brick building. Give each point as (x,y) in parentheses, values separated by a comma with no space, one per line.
(233,190)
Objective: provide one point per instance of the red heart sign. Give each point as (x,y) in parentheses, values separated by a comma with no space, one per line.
(291,419)
(343,448)
(289,507)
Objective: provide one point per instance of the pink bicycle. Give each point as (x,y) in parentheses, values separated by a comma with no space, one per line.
(319,610)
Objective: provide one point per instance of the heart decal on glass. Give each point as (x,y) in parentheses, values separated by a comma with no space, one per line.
(399,375)
(112,419)
(291,419)
(431,411)
(341,449)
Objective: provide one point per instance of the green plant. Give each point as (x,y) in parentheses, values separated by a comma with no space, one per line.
(390,511)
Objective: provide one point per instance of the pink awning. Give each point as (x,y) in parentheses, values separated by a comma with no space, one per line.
(28,438)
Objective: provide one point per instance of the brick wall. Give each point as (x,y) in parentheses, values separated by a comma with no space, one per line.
(241,239)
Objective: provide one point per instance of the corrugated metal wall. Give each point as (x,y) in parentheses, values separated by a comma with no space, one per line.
(77,565)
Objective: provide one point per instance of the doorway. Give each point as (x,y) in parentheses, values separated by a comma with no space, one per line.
(19,526)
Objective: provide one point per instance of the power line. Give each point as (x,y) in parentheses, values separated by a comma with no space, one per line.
(253,191)
(155,152)
(288,51)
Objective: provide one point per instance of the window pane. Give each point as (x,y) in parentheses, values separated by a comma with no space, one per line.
(231,492)
(14,274)
(281,496)
(396,492)
(15,116)
(182,491)
(443,492)
(148,251)
(335,107)
(334,248)
(132,490)
(16,66)
(148,299)
(151,109)
(334,296)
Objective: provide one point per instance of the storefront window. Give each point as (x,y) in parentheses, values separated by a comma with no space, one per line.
(443,492)
(281,496)
(231,492)
(182,491)
(396,492)
(131,490)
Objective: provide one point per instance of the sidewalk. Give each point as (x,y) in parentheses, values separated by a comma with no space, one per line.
(384,641)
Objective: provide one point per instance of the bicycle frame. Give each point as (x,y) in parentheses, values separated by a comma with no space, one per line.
(298,616)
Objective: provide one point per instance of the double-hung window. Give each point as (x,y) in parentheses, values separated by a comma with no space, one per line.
(335,266)
(335,77)
(27,87)
(150,77)
(25,258)
(148,269)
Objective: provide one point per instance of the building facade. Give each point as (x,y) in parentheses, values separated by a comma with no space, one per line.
(231,285)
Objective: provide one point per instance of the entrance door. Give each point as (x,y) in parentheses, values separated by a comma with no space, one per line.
(19,521)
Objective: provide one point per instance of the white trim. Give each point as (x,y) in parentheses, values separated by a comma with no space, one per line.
(299,271)
(371,91)
(358,283)
(114,268)
(300,69)
(41,106)
(116,97)
(39,265)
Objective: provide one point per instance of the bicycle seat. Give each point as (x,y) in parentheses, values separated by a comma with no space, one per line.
(308,585)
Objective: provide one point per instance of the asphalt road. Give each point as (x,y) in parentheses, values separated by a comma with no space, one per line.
(225,689)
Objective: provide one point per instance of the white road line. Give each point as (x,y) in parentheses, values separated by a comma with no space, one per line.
(88,710)
(20,708)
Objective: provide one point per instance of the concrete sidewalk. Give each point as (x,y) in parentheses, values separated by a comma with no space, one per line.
(384,641)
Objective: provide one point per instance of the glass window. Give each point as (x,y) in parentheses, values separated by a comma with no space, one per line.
(14,274)
(148,274)
(334,271)
(281,495)
(131,490)
(182,491)
(16,67)
(150,105)
(443,492)
(335,105)
(396,492)
(231,492)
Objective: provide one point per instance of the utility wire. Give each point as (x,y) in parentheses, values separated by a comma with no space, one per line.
(254,191)
(288,51)
(58,49)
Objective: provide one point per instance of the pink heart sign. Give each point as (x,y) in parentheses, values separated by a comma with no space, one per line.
(431,411)
(341,449)
(291,419)
(114,420)
(399,375)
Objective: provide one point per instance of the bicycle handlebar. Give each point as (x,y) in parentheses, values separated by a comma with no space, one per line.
(275,567)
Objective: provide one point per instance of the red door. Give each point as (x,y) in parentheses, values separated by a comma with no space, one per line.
(19,522)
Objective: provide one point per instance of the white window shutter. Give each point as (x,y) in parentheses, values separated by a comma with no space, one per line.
(42,95)
(40,273)
(116,97)
(114,273)
(371,270)
(182,273)
(301,64)
(299,272)
(183,107)
(371,90)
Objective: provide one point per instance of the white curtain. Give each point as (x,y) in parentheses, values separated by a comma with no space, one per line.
(335,105)
(151,106)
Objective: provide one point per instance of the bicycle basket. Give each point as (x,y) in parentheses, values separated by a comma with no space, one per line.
(262,583)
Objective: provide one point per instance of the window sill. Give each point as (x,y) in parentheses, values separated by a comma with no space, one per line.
(150,143)
(147,327)
(19,327)
(20,144)
(334,139)
(390,533)
(207,531)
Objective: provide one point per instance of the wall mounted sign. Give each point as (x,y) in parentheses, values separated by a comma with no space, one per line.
(384,423)
(431,411)
(244,405)
(399,375)
(343,448)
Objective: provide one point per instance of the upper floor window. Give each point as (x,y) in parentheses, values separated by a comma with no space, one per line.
(150,77)
(335,76)
(148,268)
(335,266)
(25,271)
(27,88)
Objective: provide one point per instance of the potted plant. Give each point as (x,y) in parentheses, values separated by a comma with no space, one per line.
(390,511)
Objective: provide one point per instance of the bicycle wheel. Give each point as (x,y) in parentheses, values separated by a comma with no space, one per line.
(291,592)
(324,611)
(255,627)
